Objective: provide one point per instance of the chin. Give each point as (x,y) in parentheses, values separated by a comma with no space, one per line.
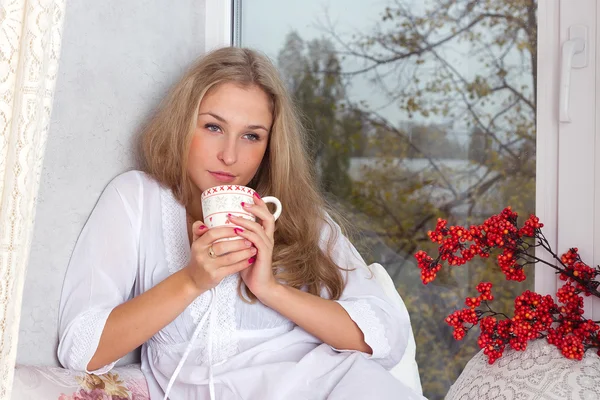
(206,184)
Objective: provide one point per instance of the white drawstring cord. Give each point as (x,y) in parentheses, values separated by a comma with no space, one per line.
(206,317)
(211,383)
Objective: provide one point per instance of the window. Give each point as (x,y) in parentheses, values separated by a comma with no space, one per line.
(419,121)
(418,112)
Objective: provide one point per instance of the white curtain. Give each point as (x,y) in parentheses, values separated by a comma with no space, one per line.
(30,38)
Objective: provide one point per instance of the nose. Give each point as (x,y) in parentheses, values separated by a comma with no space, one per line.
(228,153)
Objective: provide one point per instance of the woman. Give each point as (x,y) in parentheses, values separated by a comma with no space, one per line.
(288,313)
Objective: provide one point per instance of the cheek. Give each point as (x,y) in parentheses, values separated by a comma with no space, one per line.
(197,153)
(256,158)
(195,145)
(200,148)
(251,162)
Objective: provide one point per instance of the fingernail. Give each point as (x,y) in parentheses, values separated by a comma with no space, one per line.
(202,227)
(229,215)
(257,195)
(248,243)
(254,250)
(238,230)
(251,260)
(246,204)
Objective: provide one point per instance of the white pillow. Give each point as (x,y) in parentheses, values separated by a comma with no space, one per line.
(407,370)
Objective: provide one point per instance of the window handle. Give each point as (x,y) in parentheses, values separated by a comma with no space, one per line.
(574,54)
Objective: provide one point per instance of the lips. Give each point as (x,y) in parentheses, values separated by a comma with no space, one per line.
(222,176)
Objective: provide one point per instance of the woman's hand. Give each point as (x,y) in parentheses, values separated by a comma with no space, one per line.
(259,277)
(230,256)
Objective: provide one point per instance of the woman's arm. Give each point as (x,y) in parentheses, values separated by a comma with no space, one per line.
(98,321)
(132,323)
(102,270)
(384,324)
(325,319)
(363,319)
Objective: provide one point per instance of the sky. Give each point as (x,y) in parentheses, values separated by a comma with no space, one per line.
(265,24)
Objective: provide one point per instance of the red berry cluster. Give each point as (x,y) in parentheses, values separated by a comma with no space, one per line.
(577,271)
(509,266)
(459,245)
(494,336)
(571,347)
(535,316)
(458,319)
(531,226)
(485,288)
(429,269)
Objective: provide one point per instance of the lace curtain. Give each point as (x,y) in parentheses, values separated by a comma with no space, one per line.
(30,38)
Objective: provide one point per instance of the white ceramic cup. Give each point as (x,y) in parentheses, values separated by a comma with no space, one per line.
(219,201)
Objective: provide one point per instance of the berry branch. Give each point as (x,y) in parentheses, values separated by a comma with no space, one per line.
(535,316)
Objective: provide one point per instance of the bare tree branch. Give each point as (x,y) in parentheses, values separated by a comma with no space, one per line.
(382,122)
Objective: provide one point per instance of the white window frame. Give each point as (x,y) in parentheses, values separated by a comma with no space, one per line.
(577,181)
(218,18)
(547,137)
(567,175)
(561,167)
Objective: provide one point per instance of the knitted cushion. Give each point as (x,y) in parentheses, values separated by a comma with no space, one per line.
(541,372)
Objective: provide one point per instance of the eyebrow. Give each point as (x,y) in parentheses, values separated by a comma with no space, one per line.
(218,117)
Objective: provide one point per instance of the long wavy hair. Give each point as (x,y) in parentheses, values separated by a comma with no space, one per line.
(285,172)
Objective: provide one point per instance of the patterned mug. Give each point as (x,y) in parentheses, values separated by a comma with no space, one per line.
(219,201)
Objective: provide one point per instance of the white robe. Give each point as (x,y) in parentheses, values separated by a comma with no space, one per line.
(137,236)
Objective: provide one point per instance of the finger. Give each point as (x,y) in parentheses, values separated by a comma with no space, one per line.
(198,229)
(245,223)
(235,268)
(260,242)
(209,237)
(235,257)
(260,210)
(251,226)
(214,234)
(229,246)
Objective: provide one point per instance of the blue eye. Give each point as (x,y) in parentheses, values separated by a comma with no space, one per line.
(213,127)
(252,137)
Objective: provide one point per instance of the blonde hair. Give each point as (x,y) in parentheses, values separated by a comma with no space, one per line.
(285,172)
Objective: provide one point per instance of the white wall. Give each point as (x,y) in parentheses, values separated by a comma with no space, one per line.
(118,58)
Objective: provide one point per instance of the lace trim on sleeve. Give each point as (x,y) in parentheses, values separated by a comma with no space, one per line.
(86,339)
(361,312)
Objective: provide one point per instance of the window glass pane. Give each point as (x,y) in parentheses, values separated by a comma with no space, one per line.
(419,110)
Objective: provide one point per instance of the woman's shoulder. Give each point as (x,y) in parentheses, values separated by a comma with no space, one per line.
(133,180)
(133,187)
(330,229)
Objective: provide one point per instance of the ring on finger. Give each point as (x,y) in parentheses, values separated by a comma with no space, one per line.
(211,252)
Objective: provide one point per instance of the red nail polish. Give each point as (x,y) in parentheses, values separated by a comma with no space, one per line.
(238,230)
(243,204)
(229,215)
(202,227)
(257,195)
(251,260)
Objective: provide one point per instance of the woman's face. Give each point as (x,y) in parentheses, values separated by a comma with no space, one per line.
(231,136)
